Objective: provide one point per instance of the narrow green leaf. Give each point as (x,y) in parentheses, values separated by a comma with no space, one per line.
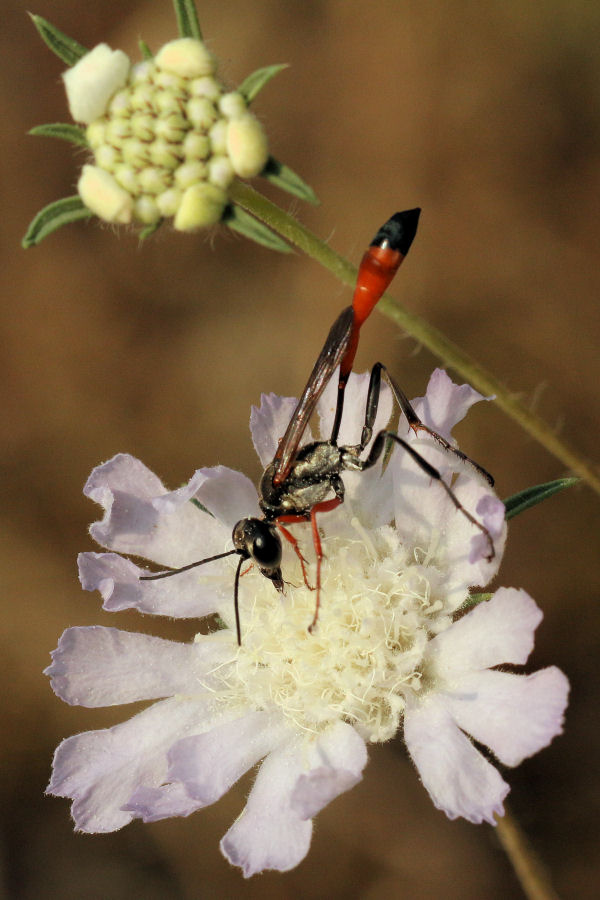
(187,19)
(255,82)
(149,230)
(145,50)
(53,216)
(66,48)
(239,220)
(63,131)
(201,507)
(518,503)
(286,179)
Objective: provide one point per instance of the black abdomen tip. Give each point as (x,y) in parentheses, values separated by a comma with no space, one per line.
(398,232)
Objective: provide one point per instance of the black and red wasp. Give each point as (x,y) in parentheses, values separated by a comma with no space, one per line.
(304,481)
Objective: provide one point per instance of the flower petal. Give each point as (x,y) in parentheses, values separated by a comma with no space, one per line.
(513,715)
(355,403)
(97,666)
(92,81)
(294,782)
(499,630)
(445,404)
(209,764)
(134,522)
(100,770)
(268,423)
(199,592)
(457,777)
(151,804)
(340,755)
(227,494)
(269,834)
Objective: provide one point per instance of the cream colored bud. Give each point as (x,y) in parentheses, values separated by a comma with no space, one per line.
(169,201)
(205,87)
(167,102)
(218,137)
(142,126)
(142,71)
(117,130)
(164,154)
(107,157)
(190,173)
(96,133)
(101,193)
(186,57)
(146,210)
(196,146)
(135,152)
(220,171)
(201,112)
(247,145)
(201,205)
(92,81)
(152,180)
(142,97)
(172,128)
(126,176)
(232,105)
(119,105)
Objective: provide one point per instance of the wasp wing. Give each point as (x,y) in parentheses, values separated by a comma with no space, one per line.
(333,350)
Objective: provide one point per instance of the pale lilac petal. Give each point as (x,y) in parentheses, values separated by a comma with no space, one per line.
(268,423)
(150,804)
(337,761)
(209,764)
(269,834)
(100,770)
(98,666)
(491,512)
(132,523)
(193,594)
(445,404)
(499,630)
(228,495)
(355,402)
(460,781)
(513,715)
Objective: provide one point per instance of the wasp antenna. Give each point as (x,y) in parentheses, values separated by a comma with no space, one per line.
(193,565)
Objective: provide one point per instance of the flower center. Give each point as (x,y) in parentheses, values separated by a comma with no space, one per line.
(378,608)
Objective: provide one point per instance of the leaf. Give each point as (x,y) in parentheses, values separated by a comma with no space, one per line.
(286,179)
(149,230)
(62,130)
(239,220)
(187,19)
(145,49)
(474,599)
(66,48)
(53,216)
(255,82)
(523,500)
(202,508)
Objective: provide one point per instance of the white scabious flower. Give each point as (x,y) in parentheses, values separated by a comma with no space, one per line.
(165,133)
(390,650)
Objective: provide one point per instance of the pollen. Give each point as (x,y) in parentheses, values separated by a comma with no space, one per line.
(378,609)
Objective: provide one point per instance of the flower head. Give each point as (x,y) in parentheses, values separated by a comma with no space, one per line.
(166,137)
(390,650)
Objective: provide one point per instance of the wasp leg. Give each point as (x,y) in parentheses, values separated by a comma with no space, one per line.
(325,506)
(385,437)
(290,519)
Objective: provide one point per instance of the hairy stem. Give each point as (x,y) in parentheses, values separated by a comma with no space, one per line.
(449,353)
(528,868)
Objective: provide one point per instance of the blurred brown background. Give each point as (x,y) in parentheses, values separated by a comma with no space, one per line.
(487,116)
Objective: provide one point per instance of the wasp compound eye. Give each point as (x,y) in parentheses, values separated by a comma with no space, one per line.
(259,541)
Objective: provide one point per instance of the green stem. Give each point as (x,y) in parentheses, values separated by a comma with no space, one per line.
(449,353)
(528,868)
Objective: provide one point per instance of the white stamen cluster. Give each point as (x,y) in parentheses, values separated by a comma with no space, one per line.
(170,141)
(379,607)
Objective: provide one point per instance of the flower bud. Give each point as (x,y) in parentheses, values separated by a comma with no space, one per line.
(202,204)
(92,81)
(186,57)
(101,193)
(247,145)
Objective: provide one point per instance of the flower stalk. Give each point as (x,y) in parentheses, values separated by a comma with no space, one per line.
(530,871)
(441,346)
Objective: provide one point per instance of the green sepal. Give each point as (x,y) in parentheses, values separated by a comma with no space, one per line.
(66,48)
(187,19)
(475,599)
(255,82)
(286,179)
(53,216)
(145,49)
(149,230)
(64,131)
(523,500)
(239,220)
